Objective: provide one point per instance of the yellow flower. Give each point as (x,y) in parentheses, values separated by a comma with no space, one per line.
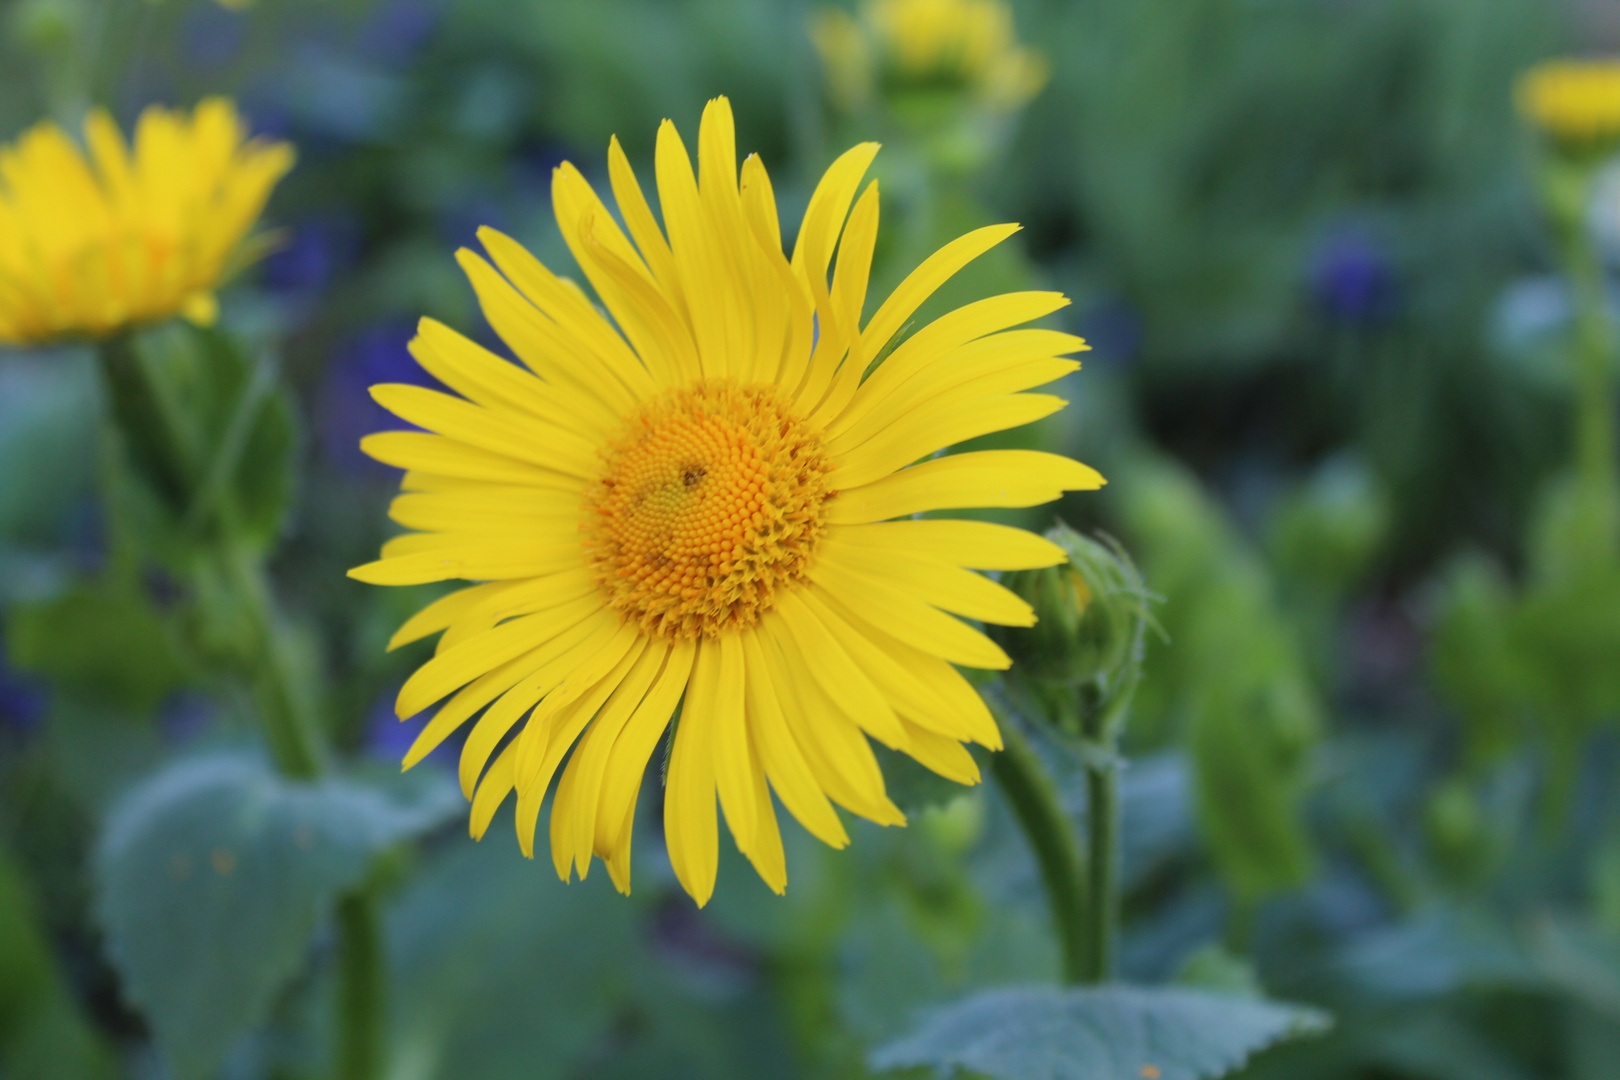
(88,249)
(690,507)
(1574,101)
(928,45)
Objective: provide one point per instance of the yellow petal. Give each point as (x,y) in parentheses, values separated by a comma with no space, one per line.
(910,619)
(779,753)
(935,426)
(980,478)
(921,283)
(979,544)
(691,830)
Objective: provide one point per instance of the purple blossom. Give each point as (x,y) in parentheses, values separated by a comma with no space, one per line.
(388,738)
(23,698)
(345,412)
(315,252)
(1354,278)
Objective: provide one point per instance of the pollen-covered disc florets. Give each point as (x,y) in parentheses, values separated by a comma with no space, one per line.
(708,503)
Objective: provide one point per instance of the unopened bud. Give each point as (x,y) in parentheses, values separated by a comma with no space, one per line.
(1456,830)
(1091,612)
(1326,533)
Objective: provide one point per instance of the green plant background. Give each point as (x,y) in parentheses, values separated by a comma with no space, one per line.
(1373,758)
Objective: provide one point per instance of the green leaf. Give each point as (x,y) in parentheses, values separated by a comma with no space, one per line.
(1212,967)
(1325,533)
(1583,961)
(43,1033)
(48,416)
(1438,951)
(1233,679)
(212,877)
(208,434)
(1474,659)
(104,642)
(502,971)
(1108,1033)
(1437,1042)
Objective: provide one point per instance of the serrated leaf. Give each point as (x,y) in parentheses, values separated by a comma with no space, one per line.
(212,877)
(1106,1033)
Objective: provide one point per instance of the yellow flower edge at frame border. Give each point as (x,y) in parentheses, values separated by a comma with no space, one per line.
(89,247)
(703,505)
(1573,100)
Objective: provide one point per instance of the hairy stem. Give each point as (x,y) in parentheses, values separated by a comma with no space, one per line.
(1101,908)
(284,708)
(361,988)
(1035,803)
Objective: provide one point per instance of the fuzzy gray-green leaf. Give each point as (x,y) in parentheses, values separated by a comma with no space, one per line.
(1107,1033)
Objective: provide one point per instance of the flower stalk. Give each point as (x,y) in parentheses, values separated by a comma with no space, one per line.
(361,988)
(290,725)
(234,623)
(1035,803)
(1100,924)
(1077,669)
(1594,363)
(1576,107)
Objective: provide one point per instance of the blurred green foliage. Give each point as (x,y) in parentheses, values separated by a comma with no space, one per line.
(1373,755)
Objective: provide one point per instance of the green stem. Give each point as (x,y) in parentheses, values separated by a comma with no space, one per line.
(156,429)
(295,740)
(1035,803)
(1102,886)
(361,989)
(287,715)
(1594,371)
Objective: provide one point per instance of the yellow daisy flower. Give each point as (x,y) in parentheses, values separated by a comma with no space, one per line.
(1576,101)
(928,44)
(691,506)
(89,249)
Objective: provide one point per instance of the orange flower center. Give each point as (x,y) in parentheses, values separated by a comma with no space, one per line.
(710,501)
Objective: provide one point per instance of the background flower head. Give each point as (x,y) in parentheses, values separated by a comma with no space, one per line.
(133,233)
(899,47)
(1576,103)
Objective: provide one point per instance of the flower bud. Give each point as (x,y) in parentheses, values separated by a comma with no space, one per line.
(1456,831)
(1091,612)
(1325,534)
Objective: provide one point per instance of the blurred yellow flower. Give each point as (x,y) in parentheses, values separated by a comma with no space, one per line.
(89,247)
(708,500)
(1574,101)
(905,45)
